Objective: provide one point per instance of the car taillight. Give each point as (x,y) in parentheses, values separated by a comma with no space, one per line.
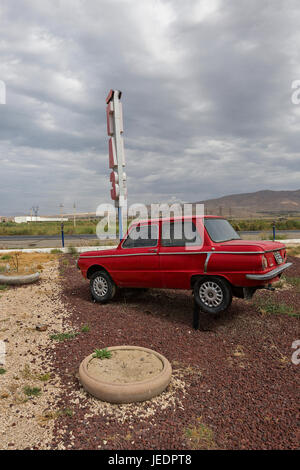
(264,262)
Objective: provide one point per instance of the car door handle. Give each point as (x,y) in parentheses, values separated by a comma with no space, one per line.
(153,251)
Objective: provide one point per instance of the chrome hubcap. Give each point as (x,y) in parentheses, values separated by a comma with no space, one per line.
(100,286)
(211,294)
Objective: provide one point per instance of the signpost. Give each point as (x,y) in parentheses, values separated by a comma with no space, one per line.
(115,131)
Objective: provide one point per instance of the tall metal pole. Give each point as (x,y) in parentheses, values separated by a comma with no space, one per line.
(116,154)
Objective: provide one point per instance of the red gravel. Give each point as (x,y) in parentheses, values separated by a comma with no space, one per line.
(247,393)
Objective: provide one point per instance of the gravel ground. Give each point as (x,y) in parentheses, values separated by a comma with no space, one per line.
(233,387)
(28,422)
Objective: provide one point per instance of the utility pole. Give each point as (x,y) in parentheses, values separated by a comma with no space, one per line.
(35,210)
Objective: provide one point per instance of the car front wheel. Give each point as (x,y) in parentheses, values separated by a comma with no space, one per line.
(102,287)
(212,294)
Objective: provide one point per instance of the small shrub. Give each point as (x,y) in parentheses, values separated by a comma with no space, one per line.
(44,377)
(2,371)
(32,392)
(5,258)
(102,354)
(85,329)
(67,412)
(72,250)
(55,251)
(2,269)
(3,287)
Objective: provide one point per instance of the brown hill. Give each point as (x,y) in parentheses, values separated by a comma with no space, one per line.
(260,204)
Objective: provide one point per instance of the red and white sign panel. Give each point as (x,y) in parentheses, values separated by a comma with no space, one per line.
(114,114)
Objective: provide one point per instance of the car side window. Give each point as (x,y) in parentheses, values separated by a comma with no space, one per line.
(181,233)
(142,236)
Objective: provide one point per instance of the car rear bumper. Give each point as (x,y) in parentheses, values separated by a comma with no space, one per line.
(270,275)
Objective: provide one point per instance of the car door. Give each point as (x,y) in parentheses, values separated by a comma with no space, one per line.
(181,253)
(138,261)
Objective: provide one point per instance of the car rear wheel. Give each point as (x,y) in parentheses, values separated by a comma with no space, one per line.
(212,294)
(102,287)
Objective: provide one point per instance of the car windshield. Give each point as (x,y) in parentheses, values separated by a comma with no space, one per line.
(220,230)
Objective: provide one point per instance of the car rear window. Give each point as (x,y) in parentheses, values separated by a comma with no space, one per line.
(220,230)
(142,236)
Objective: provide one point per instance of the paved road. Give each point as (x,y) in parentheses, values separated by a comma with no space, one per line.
(45,237)
(12,238)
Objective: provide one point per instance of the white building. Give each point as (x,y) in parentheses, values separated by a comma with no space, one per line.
(29,218)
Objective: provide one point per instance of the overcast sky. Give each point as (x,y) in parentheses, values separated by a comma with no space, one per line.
(206,97)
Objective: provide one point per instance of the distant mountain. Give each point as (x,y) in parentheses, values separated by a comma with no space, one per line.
(259,203)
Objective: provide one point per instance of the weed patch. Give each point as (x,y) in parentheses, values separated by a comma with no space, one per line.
(200,437)
(102,354)
(64,336)
(269,307)
(32,391)
(85,329)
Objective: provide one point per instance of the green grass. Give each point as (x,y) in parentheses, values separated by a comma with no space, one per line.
(102,354)
(270,237)
(2,269)
(85,329)
(44,377)
(200,437)
(64,336)
(3,287)
(32,392)
(265,224)
(67,412)
(49,228)
(295,282)
(5,258)
(55,251)
(270,307)
(2,371)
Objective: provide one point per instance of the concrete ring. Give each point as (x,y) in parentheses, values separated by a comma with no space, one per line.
(126,392)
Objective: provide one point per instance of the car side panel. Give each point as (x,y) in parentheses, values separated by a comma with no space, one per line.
(135,268)
(178,265)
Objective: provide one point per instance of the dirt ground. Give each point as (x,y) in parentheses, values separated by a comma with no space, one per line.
(126,367)
(234,385)
(18,263)
(29,386)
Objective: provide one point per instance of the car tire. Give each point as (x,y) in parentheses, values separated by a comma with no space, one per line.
(212,294)
(102,287)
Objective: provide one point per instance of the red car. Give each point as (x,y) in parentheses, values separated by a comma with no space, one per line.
(204,254)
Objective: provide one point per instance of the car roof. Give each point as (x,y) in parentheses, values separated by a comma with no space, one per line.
(176,218)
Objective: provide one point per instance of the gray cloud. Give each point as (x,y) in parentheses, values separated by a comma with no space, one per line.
(207,99)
